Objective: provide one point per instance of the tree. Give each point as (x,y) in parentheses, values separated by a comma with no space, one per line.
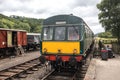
(38,29)
(110,16)
(105,35)
(18,22)
(23,26)
(8,23)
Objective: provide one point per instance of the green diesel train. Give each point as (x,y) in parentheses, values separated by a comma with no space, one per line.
(65,40)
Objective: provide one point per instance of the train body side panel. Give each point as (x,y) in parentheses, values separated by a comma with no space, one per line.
(24,38)
(3,39)
(61,47)
(21,38)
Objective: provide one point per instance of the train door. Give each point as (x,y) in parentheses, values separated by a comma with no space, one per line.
(9,38)
(14,38)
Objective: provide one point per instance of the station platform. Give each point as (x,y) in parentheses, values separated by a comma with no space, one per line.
(104,69)
(9,62)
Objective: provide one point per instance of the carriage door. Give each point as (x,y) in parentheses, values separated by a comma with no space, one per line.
(9,39)
(14,38)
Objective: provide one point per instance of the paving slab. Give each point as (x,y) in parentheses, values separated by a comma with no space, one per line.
(104,70)
(90,74)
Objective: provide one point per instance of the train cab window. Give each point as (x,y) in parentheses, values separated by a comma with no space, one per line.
(60,33)
(73,33)
(48,33)
(30,38)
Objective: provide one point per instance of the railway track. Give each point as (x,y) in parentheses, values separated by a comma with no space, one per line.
(67,75)
(20,70)
(54,75)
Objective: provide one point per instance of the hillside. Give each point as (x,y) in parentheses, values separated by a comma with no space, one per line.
(23,23)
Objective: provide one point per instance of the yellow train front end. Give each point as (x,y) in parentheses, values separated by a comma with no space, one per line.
(62,49)
(62,54)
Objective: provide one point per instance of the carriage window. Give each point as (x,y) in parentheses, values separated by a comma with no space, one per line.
(48,33)
(60,33)
(73,33)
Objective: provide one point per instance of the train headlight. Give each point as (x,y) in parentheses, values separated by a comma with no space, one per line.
(75,51)
(59,51)
(45,50)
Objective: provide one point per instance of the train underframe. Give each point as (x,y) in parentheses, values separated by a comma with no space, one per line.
(71,64)
(32,46)
(11,51)
(64,62)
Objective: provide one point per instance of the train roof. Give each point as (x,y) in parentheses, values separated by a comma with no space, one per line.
(12,29)
(33,34)
(62,19)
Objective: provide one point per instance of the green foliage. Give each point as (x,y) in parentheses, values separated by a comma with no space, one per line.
(8,23)
(105,35)
(22,26)
(23,23)
(110,16)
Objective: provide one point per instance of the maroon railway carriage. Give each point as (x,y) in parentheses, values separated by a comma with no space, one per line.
(12,41)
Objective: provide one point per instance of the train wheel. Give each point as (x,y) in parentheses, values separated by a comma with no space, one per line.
(7,52)
(17,52)
(83,62)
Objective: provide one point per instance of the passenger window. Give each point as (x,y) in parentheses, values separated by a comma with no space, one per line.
(73,33)
(60,33)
